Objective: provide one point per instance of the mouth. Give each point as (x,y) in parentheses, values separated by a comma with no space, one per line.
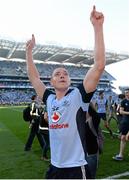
(62,81)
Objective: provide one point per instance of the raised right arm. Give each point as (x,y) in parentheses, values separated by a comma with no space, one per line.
(32,71)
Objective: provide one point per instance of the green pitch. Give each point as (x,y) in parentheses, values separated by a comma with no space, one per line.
(17,164)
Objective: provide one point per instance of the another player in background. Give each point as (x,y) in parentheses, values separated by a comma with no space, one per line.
(101,106)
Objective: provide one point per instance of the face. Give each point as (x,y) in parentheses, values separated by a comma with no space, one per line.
(101,95)
(110,97)
(60,79)
(127,94)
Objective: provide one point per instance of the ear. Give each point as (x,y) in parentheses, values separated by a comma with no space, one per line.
(69,81)
(51,81)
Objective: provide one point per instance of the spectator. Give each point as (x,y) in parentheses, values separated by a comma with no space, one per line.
(43,127)
(111,108)
(118,115)
(92,126)
(34,125)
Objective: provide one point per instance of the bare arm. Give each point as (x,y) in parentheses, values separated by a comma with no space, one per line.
(46,117)
(93,75)
(33,74)
(123,112)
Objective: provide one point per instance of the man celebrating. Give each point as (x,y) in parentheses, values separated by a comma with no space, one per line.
(67,108)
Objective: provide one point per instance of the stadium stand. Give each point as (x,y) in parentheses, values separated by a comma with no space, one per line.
(15,87)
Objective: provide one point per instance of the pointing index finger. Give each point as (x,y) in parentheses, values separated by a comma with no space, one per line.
(33,38)
(94,8)
(93,11)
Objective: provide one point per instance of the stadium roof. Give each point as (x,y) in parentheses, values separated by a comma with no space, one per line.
(52,53)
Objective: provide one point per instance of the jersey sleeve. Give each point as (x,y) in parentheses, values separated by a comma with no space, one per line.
(46,94)
(86,97)
(122,103)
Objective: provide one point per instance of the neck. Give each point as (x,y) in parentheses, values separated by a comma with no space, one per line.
(60,94)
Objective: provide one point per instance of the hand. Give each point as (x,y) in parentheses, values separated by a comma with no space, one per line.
(30,126)
(31,43)
(96,17)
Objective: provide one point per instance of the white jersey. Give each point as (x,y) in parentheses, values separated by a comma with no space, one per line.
(67,128)
(101,105)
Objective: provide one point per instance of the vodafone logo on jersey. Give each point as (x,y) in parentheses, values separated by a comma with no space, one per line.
(56,116)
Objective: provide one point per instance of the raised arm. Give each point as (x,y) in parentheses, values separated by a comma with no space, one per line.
(32,72)
(93,75)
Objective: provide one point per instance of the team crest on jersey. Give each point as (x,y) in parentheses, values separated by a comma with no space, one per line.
(56,116)
(66,103)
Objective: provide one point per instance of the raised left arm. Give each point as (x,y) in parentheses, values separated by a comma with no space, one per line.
(94,73)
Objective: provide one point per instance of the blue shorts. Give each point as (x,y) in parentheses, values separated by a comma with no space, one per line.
(124,128)
(102,116)
(68,173)
(93,164)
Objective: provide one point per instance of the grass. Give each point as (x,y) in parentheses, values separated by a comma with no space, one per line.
(14,162)
(17,164)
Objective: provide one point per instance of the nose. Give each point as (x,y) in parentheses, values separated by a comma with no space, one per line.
(61,77)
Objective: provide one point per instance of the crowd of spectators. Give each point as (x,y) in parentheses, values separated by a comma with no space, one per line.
(19,68)
(18,90)
(15,96)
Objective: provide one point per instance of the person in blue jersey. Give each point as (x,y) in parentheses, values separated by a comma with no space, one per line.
(67,108)
(101,106)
